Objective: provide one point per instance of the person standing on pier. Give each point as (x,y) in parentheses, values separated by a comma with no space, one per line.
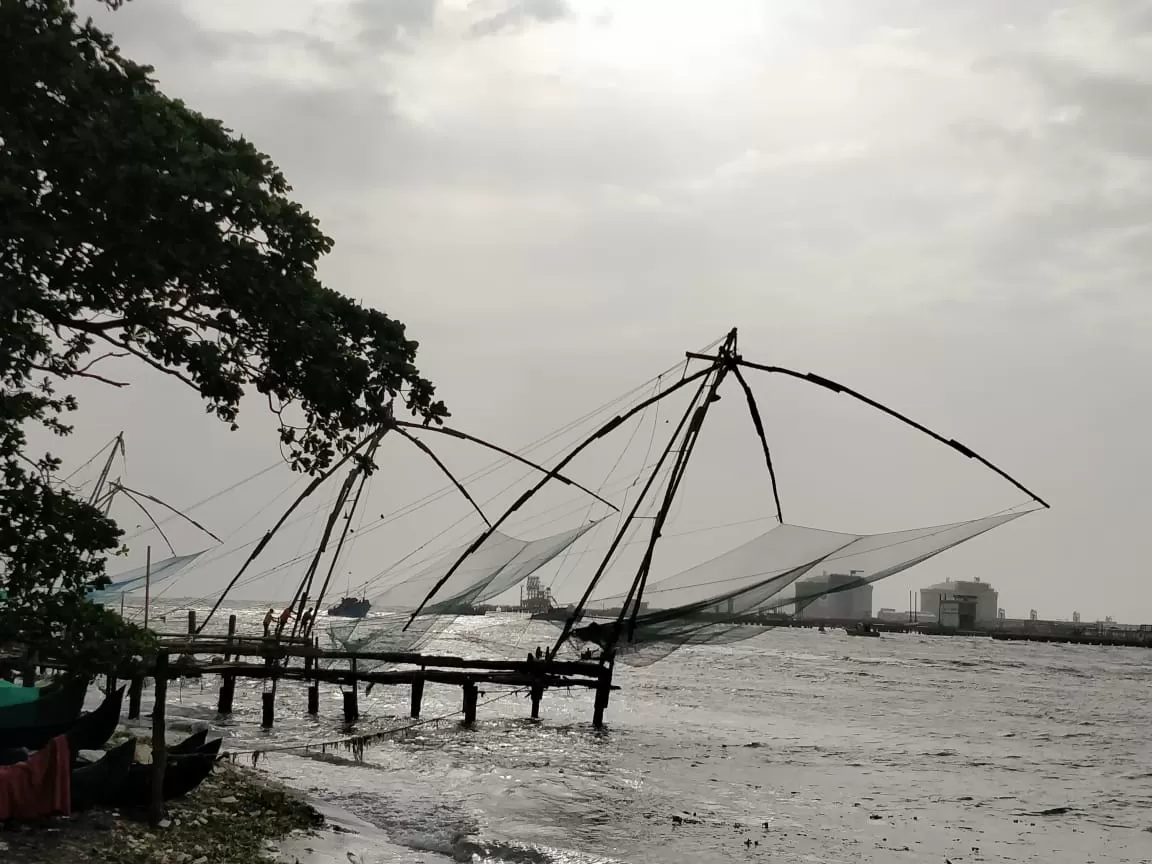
(285,617)
(268,622)
(306,622)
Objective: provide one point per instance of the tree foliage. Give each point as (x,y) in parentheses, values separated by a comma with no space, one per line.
(135,226)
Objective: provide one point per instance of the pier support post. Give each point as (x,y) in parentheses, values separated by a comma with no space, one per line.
(470,694)
(227,692)
(191,622)
(537,695)
(135,690)
(268,698)
(29,673)
(352,697)
(231,636)
(603,691)
(313,698)
(351,706)
(417,698)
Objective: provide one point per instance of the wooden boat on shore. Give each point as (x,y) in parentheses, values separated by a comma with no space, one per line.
(191,744)
(91,731)
(96,783)
(183,773)
(54,705)
(34,790)
(88,731)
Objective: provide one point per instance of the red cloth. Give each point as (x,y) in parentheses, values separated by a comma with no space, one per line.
(41,786)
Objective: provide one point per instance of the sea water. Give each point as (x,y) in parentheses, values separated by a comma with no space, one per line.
(793,746)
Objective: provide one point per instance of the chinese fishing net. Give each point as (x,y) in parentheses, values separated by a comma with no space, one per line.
(734,595)
(498,564)
(135,579)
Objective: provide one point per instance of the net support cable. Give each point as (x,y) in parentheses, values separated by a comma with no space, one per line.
(572,454)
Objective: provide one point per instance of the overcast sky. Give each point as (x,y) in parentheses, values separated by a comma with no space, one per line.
(941,204)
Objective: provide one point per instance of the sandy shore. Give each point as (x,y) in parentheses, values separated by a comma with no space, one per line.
(234,817)
(341,839)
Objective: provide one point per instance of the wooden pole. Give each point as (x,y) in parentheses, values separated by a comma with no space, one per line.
(267,538)
(537,695)
(603,692)
(231,636)
(159,744)
(417,697)
(135,690)
(268,698)
(191,622)
(147,585)
(631,606)
(313,698)
(622,530)
(615,422)
(470,694)
(227,693)
(351,706)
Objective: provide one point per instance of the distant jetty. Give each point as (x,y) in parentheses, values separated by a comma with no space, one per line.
(1075,633)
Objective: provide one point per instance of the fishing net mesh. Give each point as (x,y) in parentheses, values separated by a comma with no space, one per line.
(733,596)
(497,565)
(134,580)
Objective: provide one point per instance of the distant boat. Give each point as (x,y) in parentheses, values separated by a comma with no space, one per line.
(350,607)
(863,629)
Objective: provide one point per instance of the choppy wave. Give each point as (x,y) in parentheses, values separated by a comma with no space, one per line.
(794,746)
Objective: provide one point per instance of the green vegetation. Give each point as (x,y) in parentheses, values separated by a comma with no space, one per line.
(135,227)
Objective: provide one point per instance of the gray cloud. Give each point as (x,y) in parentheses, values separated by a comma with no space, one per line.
(946,204)
(520,14)
(391,23)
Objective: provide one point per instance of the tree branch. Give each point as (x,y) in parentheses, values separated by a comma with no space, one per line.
(155,364)
(78,374)
(96,360)
(96,327)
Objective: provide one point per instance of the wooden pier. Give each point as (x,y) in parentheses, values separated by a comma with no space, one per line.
(274,659)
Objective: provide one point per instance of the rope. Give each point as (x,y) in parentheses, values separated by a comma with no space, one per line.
(419,504)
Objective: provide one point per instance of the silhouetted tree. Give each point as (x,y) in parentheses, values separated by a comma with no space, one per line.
(134,226)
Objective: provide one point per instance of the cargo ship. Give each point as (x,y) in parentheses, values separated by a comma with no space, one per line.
(350,607)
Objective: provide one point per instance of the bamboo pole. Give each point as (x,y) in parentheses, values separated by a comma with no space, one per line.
(267,538)
(159,743)
(679,466)
(147,585)
(554,472)
(836,387)
(619,538)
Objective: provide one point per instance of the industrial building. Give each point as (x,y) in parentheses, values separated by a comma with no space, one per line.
(961,604)
(537,599)
(853,604)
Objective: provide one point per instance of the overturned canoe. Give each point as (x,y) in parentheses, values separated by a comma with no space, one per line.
(91,731)
(182,774)
(51,707)
(191,744)
(17,694)
(98,783)
(87,731)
